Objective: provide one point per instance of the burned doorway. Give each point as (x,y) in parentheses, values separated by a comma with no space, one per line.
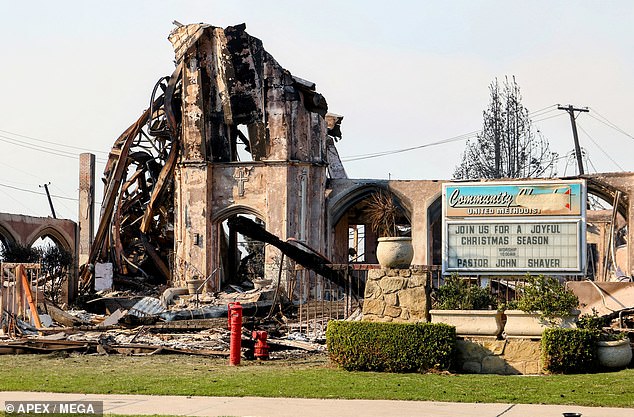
(54,254)
(238,259)
(434,232)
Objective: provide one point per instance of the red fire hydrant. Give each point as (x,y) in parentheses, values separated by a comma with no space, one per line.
(235,325)
(261,347)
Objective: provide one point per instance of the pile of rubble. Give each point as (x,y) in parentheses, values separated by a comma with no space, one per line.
(137,324)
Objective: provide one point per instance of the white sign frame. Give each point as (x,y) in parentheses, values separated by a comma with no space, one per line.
(580,220)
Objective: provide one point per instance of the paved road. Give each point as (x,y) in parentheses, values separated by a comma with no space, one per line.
(292,407)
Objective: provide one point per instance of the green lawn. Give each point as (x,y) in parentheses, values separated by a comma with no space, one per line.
(309,378)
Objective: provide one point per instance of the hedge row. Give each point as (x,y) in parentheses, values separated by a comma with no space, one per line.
(569,350)
(390,347)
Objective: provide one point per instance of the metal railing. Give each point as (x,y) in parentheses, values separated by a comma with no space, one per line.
(318,300)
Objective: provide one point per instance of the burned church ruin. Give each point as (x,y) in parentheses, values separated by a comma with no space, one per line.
(230,132)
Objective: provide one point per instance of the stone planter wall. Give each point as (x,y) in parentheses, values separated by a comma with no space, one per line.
(527,325)
(504,357)
(396,295)
(477,323)
(403,295)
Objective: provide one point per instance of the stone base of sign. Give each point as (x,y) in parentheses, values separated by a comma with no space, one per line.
(504,357)
(400,295)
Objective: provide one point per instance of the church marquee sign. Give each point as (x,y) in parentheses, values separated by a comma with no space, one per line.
(501,228)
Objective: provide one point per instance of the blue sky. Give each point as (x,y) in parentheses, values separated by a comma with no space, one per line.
(403,73)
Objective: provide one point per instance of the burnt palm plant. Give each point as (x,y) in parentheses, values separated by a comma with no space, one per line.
(383,213)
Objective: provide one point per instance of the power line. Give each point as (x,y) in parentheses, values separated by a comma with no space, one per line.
(600,148)
(44,149)
(51,142)
(39,193)
(22,171)
(15,199)
(36,192)
(547,118)
(40,148)
(62,153)
(465,136)
(560,157)
(37,177)
(543,111)
(610,124)
(61,202)
(392,152)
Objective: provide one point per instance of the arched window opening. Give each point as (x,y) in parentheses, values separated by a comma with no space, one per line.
(606,235)
(355,241)
(56,265)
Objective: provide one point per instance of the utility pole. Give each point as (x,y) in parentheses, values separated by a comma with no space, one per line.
(571,111)
(50,202)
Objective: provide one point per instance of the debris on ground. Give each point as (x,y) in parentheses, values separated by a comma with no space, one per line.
(171,322)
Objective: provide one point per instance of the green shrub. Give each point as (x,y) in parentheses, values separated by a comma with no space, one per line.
(390,347)
(600,326)
(569,350)
(593,321)
(546,296)
(459,294)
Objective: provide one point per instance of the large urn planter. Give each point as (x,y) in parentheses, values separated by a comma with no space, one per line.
(614,353)
(479,323)
(395,252)
(520,324)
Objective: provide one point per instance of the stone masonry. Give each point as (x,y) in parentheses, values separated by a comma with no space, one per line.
(396,295)
(504,357)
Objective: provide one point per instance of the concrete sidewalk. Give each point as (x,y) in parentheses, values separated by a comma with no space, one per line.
(292,407)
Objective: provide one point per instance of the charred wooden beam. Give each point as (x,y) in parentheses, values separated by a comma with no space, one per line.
(159,189)
(308,260)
